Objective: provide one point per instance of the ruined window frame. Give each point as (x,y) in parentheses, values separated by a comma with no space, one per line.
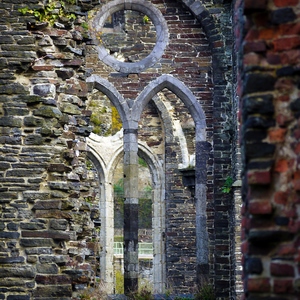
(161,28)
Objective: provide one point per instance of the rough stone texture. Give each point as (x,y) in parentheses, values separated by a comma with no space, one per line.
(270,126)
(48,234)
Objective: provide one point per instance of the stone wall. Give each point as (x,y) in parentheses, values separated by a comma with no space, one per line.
(50,217)
(49,243)
(269,90)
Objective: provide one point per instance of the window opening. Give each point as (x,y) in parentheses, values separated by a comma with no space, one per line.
(105,118)
(145,227)
(139,25)
(128,35)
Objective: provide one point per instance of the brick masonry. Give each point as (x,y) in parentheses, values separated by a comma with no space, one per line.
(48,234)
(268,86)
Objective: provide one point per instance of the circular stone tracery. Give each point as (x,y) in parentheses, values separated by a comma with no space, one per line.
(136,5)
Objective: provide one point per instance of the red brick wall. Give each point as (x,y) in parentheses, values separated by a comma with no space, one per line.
(270,110)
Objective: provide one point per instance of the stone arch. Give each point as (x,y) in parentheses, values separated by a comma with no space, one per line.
(158,217)
(182,91)
(114,96)
(202,149)
(106,171)
(106,217)
(161,34)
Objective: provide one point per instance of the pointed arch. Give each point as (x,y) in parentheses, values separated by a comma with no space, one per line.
(114,96)
(180,90)
(202,149)
(106,218)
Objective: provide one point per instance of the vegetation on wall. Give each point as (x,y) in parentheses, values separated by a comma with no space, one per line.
(105,119)
(116,120)
(51,12)
(226,188)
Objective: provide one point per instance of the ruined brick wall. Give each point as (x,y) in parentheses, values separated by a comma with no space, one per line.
(48,235)
(269,90)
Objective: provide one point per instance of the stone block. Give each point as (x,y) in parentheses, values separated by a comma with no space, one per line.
(52,279)
(7,39)
(49,204)
(9,235)
(36,242)
(53,291)
(12,89)
(33,139)
(77,276)
(69,108)
(55,214)
(10,121)
(20,272)
(47,268)
(48,112)
(11,260)
(46,234)
(33,121)
(25,172)
(58,224)
(18,297)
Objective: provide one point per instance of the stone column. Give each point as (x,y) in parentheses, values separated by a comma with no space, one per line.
(202,149)
(130,211)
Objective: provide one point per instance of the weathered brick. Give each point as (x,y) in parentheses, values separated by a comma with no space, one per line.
(286,43)
(281,166)
(283,3)
(260,285)
(259,150)
(254,265)
(283,286)
(258,82)
(282,269)
(259,177)
(283,15)
(260,207)
(255,4)
(277,135)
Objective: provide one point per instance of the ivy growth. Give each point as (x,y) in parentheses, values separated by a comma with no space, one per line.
(51,12)
(226,188)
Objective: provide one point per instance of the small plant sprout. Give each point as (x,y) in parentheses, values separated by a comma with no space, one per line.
(226,188)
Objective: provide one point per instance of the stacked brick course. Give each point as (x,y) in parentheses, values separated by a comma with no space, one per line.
(48,240)
(270,97)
